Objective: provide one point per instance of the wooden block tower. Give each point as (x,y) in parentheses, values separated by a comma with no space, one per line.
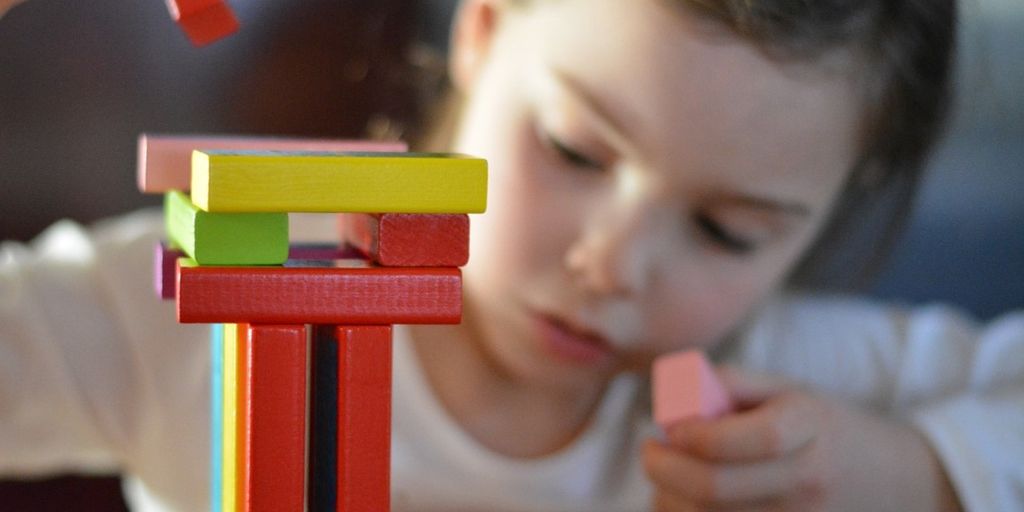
(301,346)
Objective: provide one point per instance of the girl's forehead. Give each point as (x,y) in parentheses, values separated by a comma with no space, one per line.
(675,84)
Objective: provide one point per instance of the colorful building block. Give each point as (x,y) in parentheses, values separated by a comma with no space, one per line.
(216,416)
(685,386)
(226,238)
(273,434)
(204,21)
(234,389)
(408,239)
(327,295)
(224,181)
(164,162)
(165,259)
(351,443)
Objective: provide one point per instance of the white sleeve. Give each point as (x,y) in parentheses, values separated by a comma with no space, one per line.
(78,320)
(974,415)
(959,383)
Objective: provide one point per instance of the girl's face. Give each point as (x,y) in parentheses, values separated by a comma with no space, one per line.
(651,179)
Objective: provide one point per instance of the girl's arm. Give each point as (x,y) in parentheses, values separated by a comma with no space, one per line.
(95,373)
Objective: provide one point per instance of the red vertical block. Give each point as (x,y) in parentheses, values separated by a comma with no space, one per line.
(409,239)
(364,419)
(274,413)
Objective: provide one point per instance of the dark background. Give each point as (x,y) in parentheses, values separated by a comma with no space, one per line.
(80,80)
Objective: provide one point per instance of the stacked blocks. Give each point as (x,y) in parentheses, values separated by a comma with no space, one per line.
(291,317)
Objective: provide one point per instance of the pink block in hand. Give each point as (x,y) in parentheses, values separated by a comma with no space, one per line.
(165,161)
(685,386)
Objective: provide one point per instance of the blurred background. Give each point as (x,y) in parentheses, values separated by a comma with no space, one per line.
(80,80)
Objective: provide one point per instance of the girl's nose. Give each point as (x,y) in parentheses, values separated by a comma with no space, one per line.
(613,255)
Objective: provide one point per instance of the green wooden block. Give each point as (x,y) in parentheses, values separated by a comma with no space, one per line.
(225,238)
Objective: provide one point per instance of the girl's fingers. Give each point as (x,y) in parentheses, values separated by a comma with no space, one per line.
(775,428)
(747,387)
(732,485)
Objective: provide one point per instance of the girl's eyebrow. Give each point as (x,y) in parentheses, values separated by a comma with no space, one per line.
(774,205)
(592,104)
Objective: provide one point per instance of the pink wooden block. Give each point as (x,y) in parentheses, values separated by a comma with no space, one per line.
(165,161)
(685,386)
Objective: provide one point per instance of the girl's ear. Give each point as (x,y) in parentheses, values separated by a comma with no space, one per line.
(475,24)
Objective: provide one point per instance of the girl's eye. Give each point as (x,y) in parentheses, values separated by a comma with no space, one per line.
(721,236)
(570,155)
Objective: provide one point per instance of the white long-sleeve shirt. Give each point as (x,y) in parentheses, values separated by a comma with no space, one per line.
(96,375)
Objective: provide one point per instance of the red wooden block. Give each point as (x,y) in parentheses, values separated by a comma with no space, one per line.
(330,295)
(361,466)
(164,260)
(409,240)
(273,411)
(204,21)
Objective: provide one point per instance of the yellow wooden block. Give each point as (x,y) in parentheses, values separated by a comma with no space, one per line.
(236,181)
(232,389)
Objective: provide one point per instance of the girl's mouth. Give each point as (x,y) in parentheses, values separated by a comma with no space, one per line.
(571,343)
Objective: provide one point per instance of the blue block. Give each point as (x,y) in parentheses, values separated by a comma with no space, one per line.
(216,415)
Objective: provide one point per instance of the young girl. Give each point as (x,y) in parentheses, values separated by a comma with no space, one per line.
(662,173)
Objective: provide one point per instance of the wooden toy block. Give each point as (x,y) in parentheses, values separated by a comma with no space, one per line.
(352,419)
(203,21)
(164,260)
(323,417)
(226,238)
(409,239)
(216,415)
(338,182)
(234,389)
(165,161)
(685,386)
(273,461)
(328,295)
(325,251)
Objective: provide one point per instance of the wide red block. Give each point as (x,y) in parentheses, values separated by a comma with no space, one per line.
(328,295)
(409,240)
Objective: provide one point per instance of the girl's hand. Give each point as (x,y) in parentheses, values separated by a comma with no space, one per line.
(788,449)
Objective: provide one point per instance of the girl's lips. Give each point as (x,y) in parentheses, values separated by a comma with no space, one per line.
(571,344)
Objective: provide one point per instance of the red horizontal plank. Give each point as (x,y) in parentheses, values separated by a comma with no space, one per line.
(409,240)
(329,295)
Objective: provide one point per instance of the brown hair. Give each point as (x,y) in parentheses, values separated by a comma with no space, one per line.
(907,49)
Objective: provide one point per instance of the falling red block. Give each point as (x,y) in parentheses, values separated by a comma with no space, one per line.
(407,239)
(685,386)
(204,21)
(318,295)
